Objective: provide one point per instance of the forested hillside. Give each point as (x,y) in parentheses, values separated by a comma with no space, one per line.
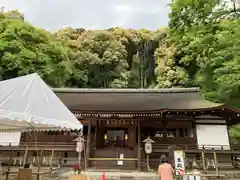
(200,47)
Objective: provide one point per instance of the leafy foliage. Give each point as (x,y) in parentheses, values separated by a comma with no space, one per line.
(235,134)
(199,48)
(25,49)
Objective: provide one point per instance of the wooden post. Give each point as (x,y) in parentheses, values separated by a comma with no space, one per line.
(96,133)
(216,163)
(177,132)
(51,160)
(79,160)
(60,160)
(165,123)
(171,156)
(203,162)
(25,156)
(84,154)
(39,164)
(9,162)
(148,166)
(88,143)
(139,145)
(1,169)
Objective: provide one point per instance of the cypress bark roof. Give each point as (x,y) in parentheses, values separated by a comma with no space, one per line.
(133,99)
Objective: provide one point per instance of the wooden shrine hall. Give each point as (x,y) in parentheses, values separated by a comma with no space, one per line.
(116,121)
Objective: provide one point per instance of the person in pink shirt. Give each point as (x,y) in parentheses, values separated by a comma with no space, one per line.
(165,170)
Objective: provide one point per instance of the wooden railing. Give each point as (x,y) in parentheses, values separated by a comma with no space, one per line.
(48,143)
(71,146)
(161,148)
(61,146)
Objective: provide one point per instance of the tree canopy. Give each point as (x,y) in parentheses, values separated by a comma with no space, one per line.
(26,49)
(200,47)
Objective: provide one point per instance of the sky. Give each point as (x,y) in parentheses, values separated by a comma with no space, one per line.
(92,14)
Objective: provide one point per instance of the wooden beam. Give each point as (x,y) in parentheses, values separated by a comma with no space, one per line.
(88,142)
(139,145)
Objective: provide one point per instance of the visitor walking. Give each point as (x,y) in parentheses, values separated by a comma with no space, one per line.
(165,170)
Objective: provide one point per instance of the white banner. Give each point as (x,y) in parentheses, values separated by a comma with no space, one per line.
(179,162)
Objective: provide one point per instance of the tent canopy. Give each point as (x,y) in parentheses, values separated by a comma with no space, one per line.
(27,102)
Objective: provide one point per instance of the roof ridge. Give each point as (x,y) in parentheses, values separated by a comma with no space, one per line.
(130,90)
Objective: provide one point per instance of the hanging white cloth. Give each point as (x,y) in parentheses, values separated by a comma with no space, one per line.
(44,160)
(34,159)
(20,160)
(194,164)
(14,161)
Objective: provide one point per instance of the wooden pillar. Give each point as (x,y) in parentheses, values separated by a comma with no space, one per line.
(194,128)
(165,122)
(171,156)
(96,133)
(88,143)
(139,145)
(178,133)
(131,142)
(100,135)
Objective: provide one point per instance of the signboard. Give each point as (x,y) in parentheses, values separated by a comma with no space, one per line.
(148,148)
(120,163)
(121,156)
(179,162)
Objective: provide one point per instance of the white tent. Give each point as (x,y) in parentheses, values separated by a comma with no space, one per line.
(27,102)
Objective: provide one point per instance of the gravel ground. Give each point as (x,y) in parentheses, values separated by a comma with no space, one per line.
(64,173)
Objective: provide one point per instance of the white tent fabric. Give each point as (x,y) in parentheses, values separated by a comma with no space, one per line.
(27,102)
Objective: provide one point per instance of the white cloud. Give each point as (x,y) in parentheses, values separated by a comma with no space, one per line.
(126,8)
(92,14)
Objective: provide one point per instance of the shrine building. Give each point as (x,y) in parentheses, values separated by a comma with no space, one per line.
(117,121)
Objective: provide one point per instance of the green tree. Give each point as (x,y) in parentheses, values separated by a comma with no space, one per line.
(235,134)
(25,49)
(203,42)
(201,49)
(98,59)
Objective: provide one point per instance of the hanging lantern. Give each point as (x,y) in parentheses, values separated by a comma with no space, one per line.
(105,136)
(126,136)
